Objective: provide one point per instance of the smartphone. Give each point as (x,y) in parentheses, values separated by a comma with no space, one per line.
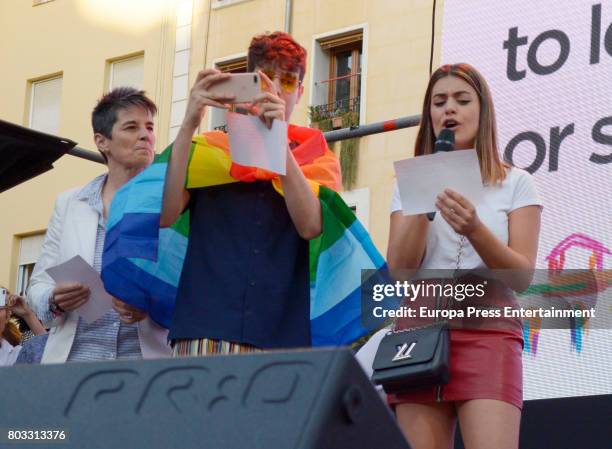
(2,297)
(245,86)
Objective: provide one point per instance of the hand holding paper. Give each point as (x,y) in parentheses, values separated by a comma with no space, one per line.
(76,270)
(70,296)
(458,212)
(421,179)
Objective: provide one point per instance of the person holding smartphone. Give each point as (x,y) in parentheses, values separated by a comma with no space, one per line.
(245,280)
(10,335)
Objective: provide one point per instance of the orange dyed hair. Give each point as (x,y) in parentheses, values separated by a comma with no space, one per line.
(278,49)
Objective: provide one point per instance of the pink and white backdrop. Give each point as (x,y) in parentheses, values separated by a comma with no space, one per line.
(549,66)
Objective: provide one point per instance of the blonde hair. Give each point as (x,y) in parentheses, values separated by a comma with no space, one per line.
(492,168)
(11,332)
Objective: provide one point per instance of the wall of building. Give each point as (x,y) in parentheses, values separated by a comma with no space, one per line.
(77,37)
(397,45)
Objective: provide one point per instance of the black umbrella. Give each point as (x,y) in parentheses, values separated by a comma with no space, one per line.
(25,153)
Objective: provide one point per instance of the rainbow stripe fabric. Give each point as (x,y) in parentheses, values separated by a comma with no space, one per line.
(142,263)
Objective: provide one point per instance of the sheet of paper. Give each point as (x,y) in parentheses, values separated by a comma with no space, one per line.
(77,270)
(422,178)
(254,145)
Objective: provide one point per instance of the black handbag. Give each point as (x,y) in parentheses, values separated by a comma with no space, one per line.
(414,358)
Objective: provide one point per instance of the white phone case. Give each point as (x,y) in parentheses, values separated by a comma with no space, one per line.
(245,86)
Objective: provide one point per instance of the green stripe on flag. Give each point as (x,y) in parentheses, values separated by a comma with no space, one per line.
(343,214)
(164,156)
(181,225)
(337,217)
(191,151)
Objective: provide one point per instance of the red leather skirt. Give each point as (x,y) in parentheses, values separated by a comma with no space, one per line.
(485,357)
(484,364)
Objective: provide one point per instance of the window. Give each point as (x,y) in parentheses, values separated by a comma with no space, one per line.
(345,77)
(337,89)
(234,65)
(45,100)
(127,72)
(29,250)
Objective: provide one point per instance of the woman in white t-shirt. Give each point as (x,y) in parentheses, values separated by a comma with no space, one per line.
(485,387)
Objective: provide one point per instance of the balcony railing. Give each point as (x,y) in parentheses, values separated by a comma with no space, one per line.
(338,107)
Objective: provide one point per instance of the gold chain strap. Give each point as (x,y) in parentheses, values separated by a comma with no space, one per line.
(457,267)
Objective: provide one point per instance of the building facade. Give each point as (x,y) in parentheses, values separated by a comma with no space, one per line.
(368,61)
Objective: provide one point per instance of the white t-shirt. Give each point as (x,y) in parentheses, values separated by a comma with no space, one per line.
(8,353)
(516,191)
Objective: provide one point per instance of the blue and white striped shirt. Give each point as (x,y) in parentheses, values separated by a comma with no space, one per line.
(106,338)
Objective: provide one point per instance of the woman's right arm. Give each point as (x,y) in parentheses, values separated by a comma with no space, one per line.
(20,308)
(41,285)
(175,195)
(407,240)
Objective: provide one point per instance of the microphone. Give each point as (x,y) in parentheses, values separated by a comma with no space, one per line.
(444,142)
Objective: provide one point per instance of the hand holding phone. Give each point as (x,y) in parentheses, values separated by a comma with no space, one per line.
(244,87)
(200,97)
(268,105)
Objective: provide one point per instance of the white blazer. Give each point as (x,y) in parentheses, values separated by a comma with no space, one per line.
(72,231)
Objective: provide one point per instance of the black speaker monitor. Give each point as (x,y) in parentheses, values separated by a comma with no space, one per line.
(302,399)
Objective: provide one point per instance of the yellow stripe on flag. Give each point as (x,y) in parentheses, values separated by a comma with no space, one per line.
(314,186)
(209,165)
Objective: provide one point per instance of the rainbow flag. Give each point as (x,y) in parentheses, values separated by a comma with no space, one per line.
(142,263)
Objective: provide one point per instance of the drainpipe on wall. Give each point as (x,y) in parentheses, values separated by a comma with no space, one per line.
(288,13)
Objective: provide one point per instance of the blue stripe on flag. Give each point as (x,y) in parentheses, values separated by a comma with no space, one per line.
(129,283)
(340,325)
(339,269)
(135,235)
(142,194)
(170,261)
